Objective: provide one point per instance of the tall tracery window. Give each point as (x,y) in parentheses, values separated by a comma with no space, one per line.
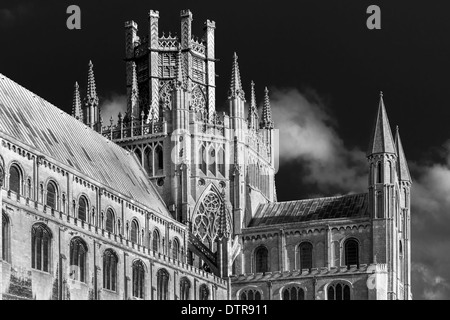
(156,240)
(83,208)
(134,233)
(293,293)
(212,160)
(15,179)
(138,279)
(110,270)
(40,247)
(220,159)
(203,292)
(379,173)
(5,237)
(109,225)
(305,254)
(175,249)
(351,252)
(159,159)
(401,264)
(250,294)
(202,158)
(261,260)
(185,288)
(338,291)
(52,195)
(207,218)
(78,255)
(148,160)
(163,284)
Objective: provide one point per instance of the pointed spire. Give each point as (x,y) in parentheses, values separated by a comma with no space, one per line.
(402,165)
(236,85)
(77,112)
(266,121)
(253,110)
(91,96)
(382,140)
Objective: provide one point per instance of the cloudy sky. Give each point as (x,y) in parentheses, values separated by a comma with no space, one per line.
(324,69)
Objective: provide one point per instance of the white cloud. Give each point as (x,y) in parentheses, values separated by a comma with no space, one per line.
(308,135)
(111,106)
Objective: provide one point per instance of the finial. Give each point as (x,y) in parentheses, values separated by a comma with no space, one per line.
(381,94)
(266,122)
(111,121)
(77,111)
(236,84)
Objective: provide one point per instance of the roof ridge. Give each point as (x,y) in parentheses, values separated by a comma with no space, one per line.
(320,198)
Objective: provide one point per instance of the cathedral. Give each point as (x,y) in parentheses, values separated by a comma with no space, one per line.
(177,201)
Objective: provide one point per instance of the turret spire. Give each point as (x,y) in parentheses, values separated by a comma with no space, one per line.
(402,165)
(236,85)
(382,140)
(253,110)
(91,87)
(266,121)
(91,103)
(77,112)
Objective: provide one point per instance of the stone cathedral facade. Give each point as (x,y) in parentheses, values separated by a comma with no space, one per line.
(178,201)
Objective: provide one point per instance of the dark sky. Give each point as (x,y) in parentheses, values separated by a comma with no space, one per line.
(323,46)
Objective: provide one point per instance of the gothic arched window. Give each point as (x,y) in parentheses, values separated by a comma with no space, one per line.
(156,240)
(379,173)
(5,237)
(83,208)
(185,288)
(212,160)
(138,279)
(15,179)
(163,284)
(110,270)
(148,161)
(175,249)
(201,158)
(203,292)
(159,159)
(250,294)
(52,195)
(305,254)
(40,247)
(261,260)
(401,264)
(207,218)
(351,252)
(338,291)
(293,293)
(134,233)
(220,159)
(78,255)
(109,225)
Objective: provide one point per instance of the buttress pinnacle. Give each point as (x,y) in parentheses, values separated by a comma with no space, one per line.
(77,111)
(236,84)
(91,97)
(266,121)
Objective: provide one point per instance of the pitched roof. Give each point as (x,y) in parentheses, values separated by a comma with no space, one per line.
(349,206)
(382,140)
(48,130)
(403,170)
